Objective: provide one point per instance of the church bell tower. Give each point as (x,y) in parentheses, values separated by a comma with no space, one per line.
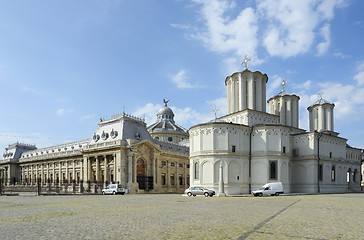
(246,90)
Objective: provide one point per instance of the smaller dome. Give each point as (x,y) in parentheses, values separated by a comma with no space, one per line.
(165,112)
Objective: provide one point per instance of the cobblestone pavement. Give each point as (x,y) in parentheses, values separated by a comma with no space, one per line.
(169,216)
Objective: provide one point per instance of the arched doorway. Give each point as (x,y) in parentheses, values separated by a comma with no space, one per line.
(140,168)
(145,182)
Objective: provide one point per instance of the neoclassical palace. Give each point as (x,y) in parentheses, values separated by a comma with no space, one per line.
(249,147)
(122,149)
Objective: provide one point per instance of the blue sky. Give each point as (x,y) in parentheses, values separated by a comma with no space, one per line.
(65,63)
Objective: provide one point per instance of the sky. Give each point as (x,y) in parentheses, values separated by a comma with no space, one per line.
(64,64)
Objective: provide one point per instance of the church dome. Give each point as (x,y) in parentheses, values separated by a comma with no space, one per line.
(165,123)
(165,113)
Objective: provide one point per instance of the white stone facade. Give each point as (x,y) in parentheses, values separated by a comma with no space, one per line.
(254,147)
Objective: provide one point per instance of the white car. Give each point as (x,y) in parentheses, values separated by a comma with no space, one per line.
(193,191)
(272,189)
(114,189)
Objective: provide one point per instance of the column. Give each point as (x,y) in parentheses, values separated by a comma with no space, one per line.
(84,169)
(97,169)
(289,113)
(240,92)
(89,169)
(74,170)
(264,92)
(54,173)
(155,178)
(115,168)
(250,103)
(258,95)
(228,95)
(106,167)
(60,171)
(283,112)
(134,169)
(168,175)
(121,166)
(130,168)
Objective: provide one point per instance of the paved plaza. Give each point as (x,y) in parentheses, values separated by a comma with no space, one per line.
(171,216)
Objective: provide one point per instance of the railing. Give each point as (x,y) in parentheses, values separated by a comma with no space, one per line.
(15,187)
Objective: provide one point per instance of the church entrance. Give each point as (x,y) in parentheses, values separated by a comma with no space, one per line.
(145,182)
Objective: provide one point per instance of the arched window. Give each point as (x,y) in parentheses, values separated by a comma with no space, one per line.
(273,170)
(196,171)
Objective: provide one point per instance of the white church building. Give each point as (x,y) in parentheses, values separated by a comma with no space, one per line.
(255,147)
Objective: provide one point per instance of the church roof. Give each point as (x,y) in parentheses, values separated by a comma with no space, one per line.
(320,101)
(283,93)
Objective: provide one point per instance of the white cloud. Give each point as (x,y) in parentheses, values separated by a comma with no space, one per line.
(360,66)
(341,55)
(273,86)
(359,78)
(324,46)
(180,79)
(63,111)
(285,28)
(29,90)
(180,26)
(306,85)
(292,25)
(88,116)
(149,112)
(223,34)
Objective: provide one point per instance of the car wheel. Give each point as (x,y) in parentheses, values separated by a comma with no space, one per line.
(103,193)
(194,195)
(189,194)
(277,194)
(206,194)
(260,194)
(114,193)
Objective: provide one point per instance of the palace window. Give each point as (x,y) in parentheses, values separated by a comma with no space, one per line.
(355,173)
(330,154)
(180,178)
(320,172)
(172,179)
(233,148)
(163,163)
(196,171)
(170,139)
(172,164)
(333,173)
(180,165)
(284,150)
(188,165)
(273,170)
(163,179)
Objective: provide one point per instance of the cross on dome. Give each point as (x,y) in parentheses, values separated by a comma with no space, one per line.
(320,94)
(245,62)
(283,84)
(215,110)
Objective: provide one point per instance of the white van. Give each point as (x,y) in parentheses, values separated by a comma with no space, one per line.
(272,189)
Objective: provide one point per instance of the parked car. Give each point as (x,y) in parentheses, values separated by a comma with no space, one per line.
(193,191)
(114,189)
(272,189)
